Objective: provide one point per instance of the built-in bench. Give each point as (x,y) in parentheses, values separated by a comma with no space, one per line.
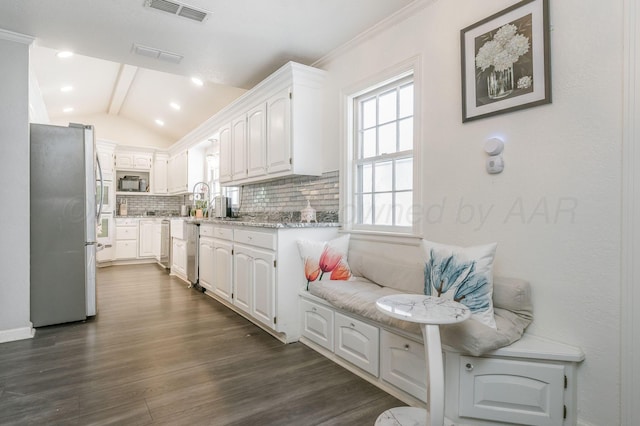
(491,375)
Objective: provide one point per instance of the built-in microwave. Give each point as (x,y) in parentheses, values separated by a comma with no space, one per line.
(129,183)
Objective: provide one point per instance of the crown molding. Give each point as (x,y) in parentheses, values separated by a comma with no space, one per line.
(390,21)
(17,37)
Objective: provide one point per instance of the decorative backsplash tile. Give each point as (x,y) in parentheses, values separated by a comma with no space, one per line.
(284,198)
(279,200)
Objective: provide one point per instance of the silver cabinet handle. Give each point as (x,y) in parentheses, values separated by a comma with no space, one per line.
(468,367)
(407,347)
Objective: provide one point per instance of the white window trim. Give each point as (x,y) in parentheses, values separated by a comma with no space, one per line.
(347,179)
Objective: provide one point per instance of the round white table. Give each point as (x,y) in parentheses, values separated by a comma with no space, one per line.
(430,312)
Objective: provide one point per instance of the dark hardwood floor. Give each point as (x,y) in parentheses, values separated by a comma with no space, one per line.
(159,353)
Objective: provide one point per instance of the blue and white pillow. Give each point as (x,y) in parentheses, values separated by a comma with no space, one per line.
(463,274)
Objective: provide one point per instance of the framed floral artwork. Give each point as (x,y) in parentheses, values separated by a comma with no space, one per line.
(505,61)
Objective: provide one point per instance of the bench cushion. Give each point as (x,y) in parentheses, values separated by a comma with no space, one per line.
(512,305)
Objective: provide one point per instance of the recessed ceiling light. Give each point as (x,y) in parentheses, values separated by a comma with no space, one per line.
(197,81)
(175,106)
(159,122)
(64,54)
(66,88)
(67,109)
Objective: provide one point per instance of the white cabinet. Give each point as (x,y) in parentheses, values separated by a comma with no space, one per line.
(263,286)
(126,160)
(160,174)
(242,277)
(223,264)
(239,148)
(206,263)
(177,173)
(275,130)
(357,342)
(224,138)
(105,156)
(179,258)
(402,364)
(257,141)
(147,236)
(279,133)
(317,323)
(126,239)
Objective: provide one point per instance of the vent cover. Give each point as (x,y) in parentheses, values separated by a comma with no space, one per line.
(152,52)
(177,8)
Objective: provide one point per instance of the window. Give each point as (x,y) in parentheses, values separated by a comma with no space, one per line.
(382,161)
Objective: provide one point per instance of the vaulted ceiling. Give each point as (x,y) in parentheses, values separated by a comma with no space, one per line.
(132,60)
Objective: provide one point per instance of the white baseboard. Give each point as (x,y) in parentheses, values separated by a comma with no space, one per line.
(17,334)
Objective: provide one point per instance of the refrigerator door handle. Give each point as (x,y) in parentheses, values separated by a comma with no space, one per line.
(99,212)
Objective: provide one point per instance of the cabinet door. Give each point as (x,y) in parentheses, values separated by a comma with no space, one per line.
(124,160)
(402,364)
(239,148)
(257,141)
(225,153)
(180,172)
(142,161)
(512,391)
(160,176)
(179,265)
(279,132)
(145,246)
(317,323)
(206,263)
(357,342)
(223,266)
(106,163)
(242,276)
(126,249)
(263,287)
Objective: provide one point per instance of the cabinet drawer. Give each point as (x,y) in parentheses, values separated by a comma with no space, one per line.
(126,232)
(223,233)
(402,363)
(255,238)
(513,391)
(126,249)
(207,230)
(317,323)
(357,343)
(120,221)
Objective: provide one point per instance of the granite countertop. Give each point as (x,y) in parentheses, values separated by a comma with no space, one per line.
(258,222)
(263,223)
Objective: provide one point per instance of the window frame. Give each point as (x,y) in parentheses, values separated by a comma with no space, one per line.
(375,85)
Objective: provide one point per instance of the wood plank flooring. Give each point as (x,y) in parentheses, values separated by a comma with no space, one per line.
(161,354)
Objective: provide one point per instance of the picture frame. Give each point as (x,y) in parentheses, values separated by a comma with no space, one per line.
(506,61)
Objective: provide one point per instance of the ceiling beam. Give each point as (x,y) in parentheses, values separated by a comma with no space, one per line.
(126,75)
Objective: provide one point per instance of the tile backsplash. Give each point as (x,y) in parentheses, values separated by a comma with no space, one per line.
(279,199)
(287,196)
(161,205)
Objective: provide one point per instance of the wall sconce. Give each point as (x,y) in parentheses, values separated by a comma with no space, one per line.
(495,163)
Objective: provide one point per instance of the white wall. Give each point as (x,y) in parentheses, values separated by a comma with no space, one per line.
(555,210)
(14,188)
(120,130)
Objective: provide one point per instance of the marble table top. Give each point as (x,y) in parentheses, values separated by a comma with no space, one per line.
(423,309)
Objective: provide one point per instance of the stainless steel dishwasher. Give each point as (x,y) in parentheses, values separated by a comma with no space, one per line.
(165,244)
(193,235)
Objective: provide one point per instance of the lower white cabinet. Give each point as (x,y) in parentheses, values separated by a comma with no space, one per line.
(223,269)
(126,239)
(402,364)
(206,275)
(357,342)
(146,238)
(179,258)
(242,277)
(514,391)
(317,323)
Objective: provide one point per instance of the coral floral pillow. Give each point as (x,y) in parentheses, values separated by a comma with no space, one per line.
(325,260)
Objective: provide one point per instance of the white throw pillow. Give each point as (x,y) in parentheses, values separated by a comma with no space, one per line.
(463,274)
(325,260)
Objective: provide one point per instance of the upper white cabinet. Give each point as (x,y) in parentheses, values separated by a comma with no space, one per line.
(161,173)
(257,141)
(127,160)
(186,169)
(275,129)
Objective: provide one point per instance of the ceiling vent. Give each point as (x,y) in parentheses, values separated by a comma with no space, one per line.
(177,8)
(152,52)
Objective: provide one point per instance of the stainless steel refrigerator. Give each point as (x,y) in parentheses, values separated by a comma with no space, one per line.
(63,223)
